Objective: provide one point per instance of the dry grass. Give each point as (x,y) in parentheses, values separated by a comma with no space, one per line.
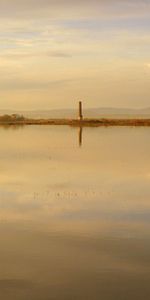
(75,122)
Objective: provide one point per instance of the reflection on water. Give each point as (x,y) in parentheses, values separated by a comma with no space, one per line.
(74,222)
(80,136)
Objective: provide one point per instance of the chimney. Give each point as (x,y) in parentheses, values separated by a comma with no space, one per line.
(80,111)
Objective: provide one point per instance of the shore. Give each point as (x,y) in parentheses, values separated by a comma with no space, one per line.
(80,123)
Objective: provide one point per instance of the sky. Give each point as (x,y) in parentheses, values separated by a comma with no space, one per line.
(54,53)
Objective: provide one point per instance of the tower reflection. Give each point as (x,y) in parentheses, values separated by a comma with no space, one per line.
(80,136)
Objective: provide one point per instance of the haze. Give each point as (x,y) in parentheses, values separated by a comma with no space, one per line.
(53,53)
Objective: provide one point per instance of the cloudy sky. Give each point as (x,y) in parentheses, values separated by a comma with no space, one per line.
(56,52)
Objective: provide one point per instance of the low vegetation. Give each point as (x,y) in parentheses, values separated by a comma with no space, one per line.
(11,118)
(21,120)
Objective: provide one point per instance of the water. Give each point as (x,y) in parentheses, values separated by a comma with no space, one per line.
(74,219)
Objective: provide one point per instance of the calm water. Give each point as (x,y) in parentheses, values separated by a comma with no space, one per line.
(74,221)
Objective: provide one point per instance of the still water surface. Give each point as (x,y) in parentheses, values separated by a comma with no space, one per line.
(74,221)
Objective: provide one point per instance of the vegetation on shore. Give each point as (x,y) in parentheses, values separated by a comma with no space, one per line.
(15,118)
(21,120)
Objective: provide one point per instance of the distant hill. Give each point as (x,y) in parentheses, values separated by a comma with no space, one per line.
(87,112)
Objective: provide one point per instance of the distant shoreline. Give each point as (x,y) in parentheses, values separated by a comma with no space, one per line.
(80,123)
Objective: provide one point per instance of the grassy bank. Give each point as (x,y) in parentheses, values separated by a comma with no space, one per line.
(75,122)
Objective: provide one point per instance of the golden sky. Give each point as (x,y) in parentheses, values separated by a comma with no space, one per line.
(56,52)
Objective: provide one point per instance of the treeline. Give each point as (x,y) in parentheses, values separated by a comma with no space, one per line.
(12,118)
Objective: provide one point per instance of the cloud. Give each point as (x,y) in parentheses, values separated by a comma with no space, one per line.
(13,84)
(71,9)
(58,54)
(6,57)
(43,42)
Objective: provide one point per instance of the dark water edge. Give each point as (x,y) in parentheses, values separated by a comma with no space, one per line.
(65,266)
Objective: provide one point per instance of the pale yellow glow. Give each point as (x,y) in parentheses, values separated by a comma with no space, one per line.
(53,53)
